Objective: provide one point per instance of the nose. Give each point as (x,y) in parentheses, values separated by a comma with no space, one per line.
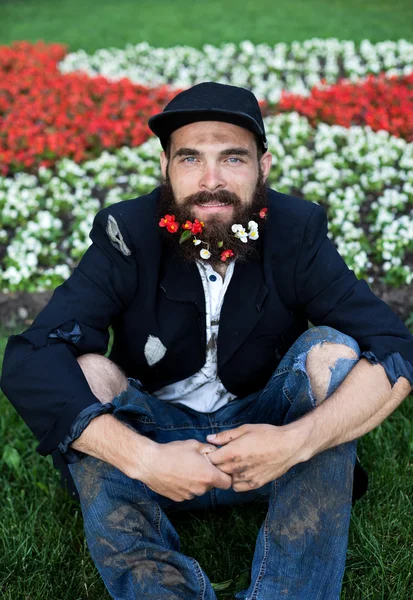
(211,179)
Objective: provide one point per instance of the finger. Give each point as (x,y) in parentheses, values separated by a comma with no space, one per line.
(224,468)
(220,456)
(206,449)
(245,486)
(222,480)
(224,437)
(232,470)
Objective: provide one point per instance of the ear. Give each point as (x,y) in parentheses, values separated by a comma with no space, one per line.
(164,163)
(266,162)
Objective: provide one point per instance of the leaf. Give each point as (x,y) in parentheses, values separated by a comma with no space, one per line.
(11,457)
(222,586)
(185,236)
(220,244)
(42,486)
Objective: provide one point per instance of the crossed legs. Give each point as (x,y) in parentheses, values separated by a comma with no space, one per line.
(301,546)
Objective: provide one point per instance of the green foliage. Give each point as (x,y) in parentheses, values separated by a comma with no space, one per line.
(185,235)
(11,457)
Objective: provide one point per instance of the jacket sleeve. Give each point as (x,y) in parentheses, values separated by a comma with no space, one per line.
(330,294)
(41,376)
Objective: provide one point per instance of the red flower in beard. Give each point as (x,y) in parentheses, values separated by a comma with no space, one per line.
(166,219)
(197,227)
(226,254)
(169,222)
(172,227)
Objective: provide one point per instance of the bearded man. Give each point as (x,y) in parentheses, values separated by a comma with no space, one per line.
(216,391)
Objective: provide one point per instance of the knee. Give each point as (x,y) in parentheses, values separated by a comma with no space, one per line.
(329,347)
(105,379)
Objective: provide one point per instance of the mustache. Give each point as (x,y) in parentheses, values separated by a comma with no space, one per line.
(219,197)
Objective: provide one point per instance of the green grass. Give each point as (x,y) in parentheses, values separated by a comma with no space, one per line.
(101,23)
(43,553)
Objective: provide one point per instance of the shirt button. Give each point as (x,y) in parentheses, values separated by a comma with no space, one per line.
(212,278)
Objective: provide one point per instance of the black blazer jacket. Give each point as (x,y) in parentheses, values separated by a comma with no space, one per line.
(134,283)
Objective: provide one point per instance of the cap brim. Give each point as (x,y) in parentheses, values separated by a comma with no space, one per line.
(165,123)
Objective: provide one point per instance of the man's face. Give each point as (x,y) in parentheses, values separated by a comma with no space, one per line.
(210,157)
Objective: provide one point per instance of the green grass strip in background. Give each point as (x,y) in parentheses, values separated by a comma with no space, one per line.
(102,23)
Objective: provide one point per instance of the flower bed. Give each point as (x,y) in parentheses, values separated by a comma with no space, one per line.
(45,116)
(381,102)
(266,70)
(51,122)
(364,179)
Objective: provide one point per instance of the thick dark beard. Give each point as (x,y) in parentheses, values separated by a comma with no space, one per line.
(215,230)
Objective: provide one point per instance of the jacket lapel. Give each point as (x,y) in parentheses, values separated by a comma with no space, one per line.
(181,281)
(241,310)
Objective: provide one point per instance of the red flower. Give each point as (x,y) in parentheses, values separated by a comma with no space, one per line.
(381,102)
(263,213)
(197,226)
(166,220)
(187,225)
(46,115)
(169,222)
(226,254)
(172,227)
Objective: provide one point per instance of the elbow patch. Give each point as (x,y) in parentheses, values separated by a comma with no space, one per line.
(68,332)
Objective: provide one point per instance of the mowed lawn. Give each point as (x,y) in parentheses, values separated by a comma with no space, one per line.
(102,23)
(43,554)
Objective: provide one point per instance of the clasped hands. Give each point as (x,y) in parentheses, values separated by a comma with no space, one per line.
(244,458)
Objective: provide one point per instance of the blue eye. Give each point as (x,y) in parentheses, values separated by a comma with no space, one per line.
(232,158)
(189,158)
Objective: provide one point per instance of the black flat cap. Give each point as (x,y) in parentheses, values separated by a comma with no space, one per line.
(210,101)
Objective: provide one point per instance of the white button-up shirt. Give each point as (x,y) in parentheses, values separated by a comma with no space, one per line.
(204,390)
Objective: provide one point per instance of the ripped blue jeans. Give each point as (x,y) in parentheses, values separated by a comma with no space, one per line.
(301,546)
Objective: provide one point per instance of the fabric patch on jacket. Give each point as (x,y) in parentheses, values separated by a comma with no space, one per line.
(154,350)
(69,332)
(115,236)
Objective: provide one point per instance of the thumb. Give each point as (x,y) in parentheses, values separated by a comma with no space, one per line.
(222,480)
(224,437)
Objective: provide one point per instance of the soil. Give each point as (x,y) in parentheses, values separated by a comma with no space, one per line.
(17,310)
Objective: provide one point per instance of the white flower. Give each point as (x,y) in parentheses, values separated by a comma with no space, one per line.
(253,235)
(196,242)
(252,226)
(62,270)
(241,234)
(266,70)
(236,228)
(205,254)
